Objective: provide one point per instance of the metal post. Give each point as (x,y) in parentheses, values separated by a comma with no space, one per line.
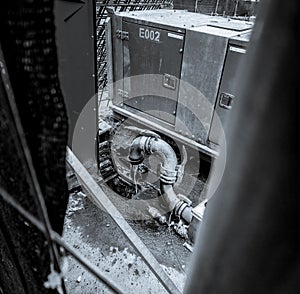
(217,5)
(235,8)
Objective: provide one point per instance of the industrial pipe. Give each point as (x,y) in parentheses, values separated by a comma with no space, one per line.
(149,144)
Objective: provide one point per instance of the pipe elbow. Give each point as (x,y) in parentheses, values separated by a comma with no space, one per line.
(136,151)
(166,152)
(142,145)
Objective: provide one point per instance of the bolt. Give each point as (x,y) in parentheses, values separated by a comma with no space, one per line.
(162,220)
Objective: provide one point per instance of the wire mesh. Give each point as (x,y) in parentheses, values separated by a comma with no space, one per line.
(101,16)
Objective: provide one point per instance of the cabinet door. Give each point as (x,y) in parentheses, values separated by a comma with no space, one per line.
(152,51)
(227,91)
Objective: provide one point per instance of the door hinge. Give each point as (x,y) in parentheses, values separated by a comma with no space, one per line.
(123,35)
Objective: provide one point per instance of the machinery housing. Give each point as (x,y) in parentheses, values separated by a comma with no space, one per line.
(191,61)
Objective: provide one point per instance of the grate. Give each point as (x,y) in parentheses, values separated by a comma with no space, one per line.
(101,15)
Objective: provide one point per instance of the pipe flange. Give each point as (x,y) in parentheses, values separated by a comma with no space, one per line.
(136,161)
(176,208)
(167,180)
(148,144)
(179,208)
(167,176)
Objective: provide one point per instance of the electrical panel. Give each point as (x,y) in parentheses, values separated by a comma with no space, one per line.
(176,71)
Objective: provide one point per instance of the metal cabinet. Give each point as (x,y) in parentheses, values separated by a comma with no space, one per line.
(194,60)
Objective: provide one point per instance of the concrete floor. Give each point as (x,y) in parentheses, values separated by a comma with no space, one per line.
(93,233)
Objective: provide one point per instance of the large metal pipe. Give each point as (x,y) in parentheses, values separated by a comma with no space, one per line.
(168,174)
(151,144)
(168,156)
(249,239)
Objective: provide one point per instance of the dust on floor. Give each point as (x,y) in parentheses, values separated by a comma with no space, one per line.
(94,234)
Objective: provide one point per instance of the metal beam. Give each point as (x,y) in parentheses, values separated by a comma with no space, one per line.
(100,199)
